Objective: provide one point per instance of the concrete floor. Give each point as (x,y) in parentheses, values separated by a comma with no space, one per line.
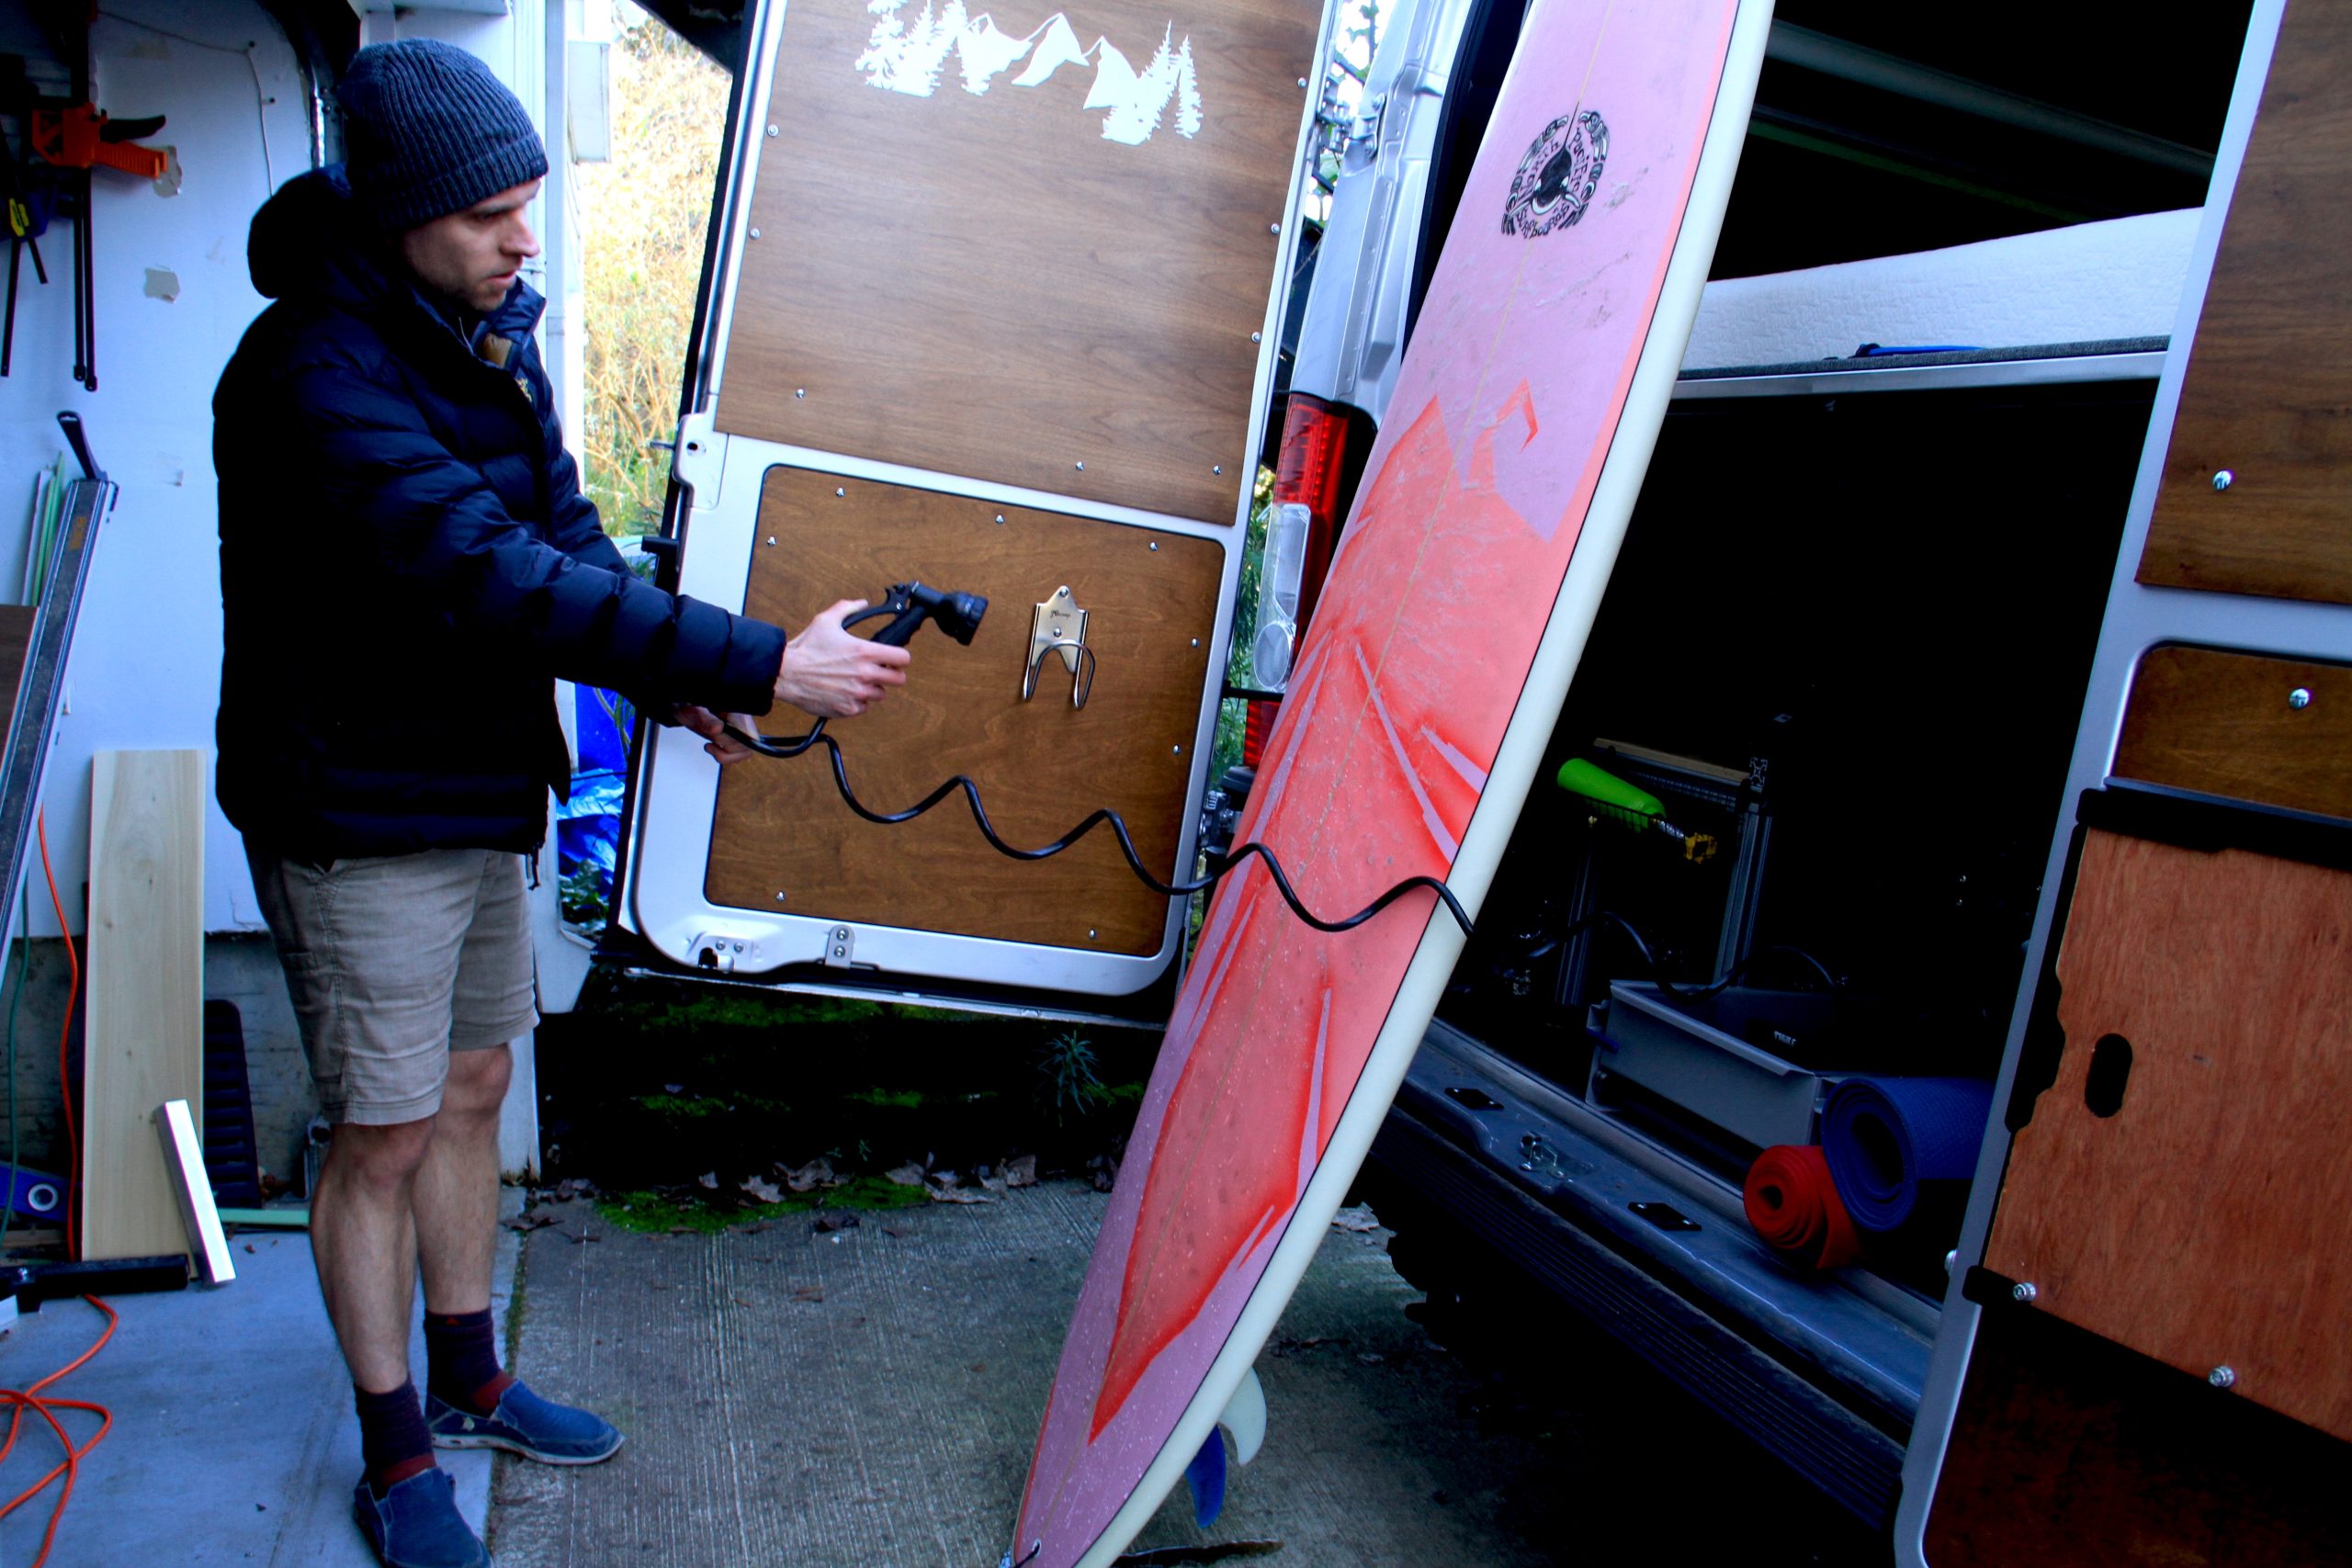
(871,1396)
(233,1439)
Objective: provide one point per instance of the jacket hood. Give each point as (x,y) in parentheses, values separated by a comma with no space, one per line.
(309,240)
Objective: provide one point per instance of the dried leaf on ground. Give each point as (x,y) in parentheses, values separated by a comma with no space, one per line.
(1103,1170)
(835,1220)
(1359,1218)
(907,1175)
(957,1195)
(763,1190)
(708,1180)
(536,1220)
(816,1173)
(1021,1171)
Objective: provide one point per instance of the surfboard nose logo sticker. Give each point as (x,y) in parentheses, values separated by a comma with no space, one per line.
(912,57)
(1556,179)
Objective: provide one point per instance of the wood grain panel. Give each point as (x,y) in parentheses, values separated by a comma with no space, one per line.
(2222,724)
(1041,766)
(2067,1451)
(2208,1222)
(15,647)
(2270,375)
(144,1039)
(985,285)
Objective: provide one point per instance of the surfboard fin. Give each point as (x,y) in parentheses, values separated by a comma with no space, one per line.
(1245,1417)
(1205,1477)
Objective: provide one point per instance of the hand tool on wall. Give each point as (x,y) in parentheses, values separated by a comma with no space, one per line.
(27,213)
(81,136)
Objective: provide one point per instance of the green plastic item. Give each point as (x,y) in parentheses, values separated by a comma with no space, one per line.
(1609,793)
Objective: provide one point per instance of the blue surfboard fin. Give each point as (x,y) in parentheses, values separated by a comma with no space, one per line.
(1205,1477)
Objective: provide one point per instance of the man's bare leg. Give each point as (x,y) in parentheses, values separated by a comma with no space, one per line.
(363,1238)
(456,1193)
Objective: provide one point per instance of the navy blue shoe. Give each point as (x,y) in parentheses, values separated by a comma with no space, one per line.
(524,1423)
(416,1524)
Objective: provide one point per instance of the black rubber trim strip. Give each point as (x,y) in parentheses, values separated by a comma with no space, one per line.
(2208,822)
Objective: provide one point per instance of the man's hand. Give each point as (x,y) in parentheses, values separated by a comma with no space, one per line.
(835,673)
(713,728)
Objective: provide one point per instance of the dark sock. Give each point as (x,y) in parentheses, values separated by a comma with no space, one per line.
(393,1437)
(461,1361)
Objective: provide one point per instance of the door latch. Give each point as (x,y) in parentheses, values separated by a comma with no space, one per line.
(1058,627)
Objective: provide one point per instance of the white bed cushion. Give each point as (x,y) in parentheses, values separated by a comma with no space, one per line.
(2121,278)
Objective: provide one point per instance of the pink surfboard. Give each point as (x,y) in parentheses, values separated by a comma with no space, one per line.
(1427,689)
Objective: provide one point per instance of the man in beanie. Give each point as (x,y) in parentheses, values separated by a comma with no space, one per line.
(406,565)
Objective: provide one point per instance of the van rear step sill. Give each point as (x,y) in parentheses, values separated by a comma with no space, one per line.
(1850,1459)
(1862,1340)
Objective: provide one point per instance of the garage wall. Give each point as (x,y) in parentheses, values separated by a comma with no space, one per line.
(172,300)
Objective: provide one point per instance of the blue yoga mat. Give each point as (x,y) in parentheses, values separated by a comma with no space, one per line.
(1892,1143)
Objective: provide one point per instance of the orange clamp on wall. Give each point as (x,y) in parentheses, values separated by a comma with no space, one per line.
(78,138)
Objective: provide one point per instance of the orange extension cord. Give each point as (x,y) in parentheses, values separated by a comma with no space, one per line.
(21,1400)
(18,1401)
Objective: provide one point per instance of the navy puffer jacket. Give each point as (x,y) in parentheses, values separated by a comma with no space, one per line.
(406,562)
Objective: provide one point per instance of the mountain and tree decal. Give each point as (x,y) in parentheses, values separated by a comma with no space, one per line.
(911,56)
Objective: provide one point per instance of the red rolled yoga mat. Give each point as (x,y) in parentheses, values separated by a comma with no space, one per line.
(1794,1207)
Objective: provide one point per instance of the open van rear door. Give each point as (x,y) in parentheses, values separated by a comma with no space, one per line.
(993,309)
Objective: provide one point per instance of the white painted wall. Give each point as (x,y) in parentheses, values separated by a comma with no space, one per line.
(145,667)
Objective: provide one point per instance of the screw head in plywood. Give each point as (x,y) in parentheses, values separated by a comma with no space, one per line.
(2222,1377)
(755,233)
(2300,698)
(774,131)
(2023,1290)
(2224,479)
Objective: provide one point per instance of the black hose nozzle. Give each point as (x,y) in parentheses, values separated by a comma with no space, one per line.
(911,604)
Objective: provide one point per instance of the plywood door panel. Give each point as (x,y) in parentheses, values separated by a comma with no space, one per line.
(2227,724)
(2270,373)
(986,285)
(2067,1451)
(782,840)
(144,1039)
(2208,1222)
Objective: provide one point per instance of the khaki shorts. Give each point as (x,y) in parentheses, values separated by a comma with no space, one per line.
(395,961)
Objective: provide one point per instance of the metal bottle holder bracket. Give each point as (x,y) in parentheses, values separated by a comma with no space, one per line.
(1059,626)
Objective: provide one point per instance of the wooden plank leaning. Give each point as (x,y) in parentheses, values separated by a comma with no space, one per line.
(144,1041)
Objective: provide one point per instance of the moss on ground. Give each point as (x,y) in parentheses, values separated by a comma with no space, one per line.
(646,1210)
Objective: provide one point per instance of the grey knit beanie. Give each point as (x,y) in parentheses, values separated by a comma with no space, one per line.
(428,131)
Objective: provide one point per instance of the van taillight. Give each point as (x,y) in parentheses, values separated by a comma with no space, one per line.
(1314,446)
